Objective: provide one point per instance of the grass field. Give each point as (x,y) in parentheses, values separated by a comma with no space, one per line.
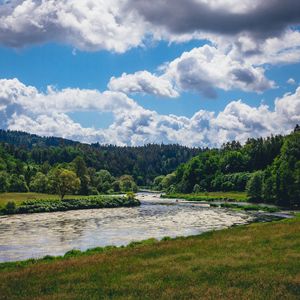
(20,197)
(258,261)
(210,196)
(38,203)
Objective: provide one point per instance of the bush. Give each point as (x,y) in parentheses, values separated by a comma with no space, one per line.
(10,207)
(89,202)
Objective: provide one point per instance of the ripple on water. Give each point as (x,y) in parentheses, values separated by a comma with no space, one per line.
(37,235)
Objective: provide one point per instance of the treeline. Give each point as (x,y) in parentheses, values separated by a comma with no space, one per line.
(20,151)
(268,169)
(62,179)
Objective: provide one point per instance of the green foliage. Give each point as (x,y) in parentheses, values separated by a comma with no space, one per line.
(82,173)
(52,205)
(130,196)
(40,183)
(17,183)
(3,182)
(64,181)
(269,169)
(209,196)
(127,184)
(254,186)
(10,207)
(143,163)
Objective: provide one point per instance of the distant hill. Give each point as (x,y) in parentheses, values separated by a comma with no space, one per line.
(143,163)
(20,138)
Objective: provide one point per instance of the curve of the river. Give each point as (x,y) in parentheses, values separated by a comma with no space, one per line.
(37,235)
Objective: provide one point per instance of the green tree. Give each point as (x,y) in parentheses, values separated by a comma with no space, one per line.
(65,182)
(254,186)
(196,189)
(82,173)
(127,184)
(3,182)
(39,183)
(17,184)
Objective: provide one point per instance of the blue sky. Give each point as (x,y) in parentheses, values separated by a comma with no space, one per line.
(181,85)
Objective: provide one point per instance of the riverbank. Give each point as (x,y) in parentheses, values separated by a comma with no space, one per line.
(210,196)
(55,205)
(257,261)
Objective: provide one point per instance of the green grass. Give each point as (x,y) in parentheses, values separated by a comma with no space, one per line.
(211,196)
(18,198)
(257,261)
(54,205)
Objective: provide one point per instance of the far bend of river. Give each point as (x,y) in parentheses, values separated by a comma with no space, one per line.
(37,235)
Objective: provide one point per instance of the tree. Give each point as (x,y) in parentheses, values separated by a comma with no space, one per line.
(196,189)
(3,182)
(127,184)
(64,182)
(82,173)
(17,184)
(254,186)
(157,183)
(39,183)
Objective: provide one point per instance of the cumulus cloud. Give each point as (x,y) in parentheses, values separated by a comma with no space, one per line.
(260,18)
(202,69)
(118,25)
(47,114)
(284,49)
(87,25)
(206,68)
(143,82)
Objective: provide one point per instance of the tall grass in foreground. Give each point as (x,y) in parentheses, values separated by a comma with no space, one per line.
(258,261)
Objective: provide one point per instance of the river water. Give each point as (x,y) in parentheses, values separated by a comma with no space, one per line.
(37,235)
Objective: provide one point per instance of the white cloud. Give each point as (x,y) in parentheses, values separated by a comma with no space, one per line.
(46,114)
(291,81)
(143,82)
(87,25)
(205,68)
(202,69)
(283,49)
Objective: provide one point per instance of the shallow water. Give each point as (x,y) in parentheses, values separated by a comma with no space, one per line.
(37,235)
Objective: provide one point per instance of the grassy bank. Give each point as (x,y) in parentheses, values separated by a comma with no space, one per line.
(53,205)
(258,261)
(18,198)
(210,196)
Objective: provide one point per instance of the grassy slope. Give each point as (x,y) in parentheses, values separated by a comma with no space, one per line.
(258,261)
(209,196)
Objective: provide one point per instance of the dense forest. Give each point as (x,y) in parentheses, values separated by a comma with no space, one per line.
(268,169)
(29,162)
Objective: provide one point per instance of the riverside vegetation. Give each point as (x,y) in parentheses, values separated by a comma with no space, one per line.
(267,169)
(257,261)
(53,205)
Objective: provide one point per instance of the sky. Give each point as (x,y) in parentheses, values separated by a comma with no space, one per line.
(131,72)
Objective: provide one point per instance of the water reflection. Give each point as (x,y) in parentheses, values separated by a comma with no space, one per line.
(36,235)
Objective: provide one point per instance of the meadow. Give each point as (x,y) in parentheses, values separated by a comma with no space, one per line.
(37,203)
(257,261)
(210,196)
(18,198)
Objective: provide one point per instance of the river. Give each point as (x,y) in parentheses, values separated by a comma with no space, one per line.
(37,235)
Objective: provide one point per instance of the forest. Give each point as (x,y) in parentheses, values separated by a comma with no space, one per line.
(32,163)
(267,168)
